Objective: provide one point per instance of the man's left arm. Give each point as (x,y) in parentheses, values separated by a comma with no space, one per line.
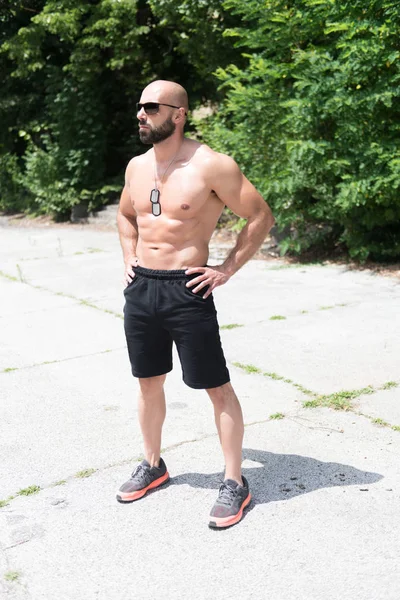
(238,194)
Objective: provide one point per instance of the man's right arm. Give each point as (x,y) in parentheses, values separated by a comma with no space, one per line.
(127,229)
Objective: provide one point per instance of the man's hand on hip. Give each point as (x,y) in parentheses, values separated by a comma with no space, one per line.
(211,276)
(129,273)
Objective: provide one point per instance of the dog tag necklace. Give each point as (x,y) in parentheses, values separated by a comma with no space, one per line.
(155,193)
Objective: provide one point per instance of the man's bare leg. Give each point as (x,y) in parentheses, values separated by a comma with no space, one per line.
(151,405)
(229,422)
(151,418)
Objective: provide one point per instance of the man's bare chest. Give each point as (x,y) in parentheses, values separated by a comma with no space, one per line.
(182,193)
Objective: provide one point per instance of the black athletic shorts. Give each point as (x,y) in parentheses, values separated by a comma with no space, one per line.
(160,309)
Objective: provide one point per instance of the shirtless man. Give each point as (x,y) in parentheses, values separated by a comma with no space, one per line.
(169,207)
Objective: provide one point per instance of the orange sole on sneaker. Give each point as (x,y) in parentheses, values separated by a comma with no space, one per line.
(131,497)
(222,522)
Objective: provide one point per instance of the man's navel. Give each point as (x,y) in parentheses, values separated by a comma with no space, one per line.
(185,206)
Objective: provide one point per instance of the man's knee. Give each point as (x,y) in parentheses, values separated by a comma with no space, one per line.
(221,394)
(151,385)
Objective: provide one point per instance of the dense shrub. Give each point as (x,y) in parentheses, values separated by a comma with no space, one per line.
(314,119)
(71,72)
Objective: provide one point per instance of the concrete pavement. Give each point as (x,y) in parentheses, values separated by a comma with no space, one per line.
(326,483)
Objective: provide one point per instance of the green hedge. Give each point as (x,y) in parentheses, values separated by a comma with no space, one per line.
(314,119)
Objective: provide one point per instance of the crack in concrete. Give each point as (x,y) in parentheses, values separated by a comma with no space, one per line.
(64,255)
(81,301)
(16,317)
(117,464)
(16,544)
(318,399)
(60,360)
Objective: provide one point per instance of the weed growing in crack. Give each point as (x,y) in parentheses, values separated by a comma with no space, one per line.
(274,376)
(20,274)
(105,310)
(389,385)
(381,422)
(311,404)
(231,326)
(339,400)
(6,502)
(85,473)
(302,389)
(247,368)
(12,575)
(277,416)
(7,276)
(277,318)
(32,489)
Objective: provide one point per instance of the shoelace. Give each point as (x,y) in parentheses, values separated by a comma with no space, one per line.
(141,473)
(226,495)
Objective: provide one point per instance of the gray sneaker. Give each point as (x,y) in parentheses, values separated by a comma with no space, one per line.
(232,500)
(143,479)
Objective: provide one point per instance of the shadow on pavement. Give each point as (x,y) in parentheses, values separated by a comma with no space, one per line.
(277,477)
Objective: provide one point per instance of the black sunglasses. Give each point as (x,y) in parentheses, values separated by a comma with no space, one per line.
(152,108)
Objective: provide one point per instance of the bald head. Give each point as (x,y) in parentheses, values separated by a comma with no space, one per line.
(168,92)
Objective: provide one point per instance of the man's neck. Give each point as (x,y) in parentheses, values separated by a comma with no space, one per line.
(166,150)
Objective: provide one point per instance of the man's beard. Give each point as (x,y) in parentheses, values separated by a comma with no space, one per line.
(157,134)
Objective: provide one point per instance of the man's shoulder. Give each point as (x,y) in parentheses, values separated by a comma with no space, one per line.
(212,159)
(138,161)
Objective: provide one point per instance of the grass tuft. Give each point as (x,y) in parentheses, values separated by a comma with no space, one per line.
(304,390)
(339,400)
(61,482)
(9,369)
(231,326)
(380,422)
(277,318)
(277,416)
(7,276)
(247,368)
(389,385)
(12,575)
(85,473)
(273,376)
(32,489)
(396,427)
(311,404)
